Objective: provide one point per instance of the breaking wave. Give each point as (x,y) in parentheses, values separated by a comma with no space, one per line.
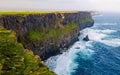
(91,57)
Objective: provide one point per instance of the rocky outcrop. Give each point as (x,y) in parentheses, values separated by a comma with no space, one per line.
(48,44)
(86,38)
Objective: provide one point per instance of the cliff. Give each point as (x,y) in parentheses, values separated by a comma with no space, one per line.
(15,60)
(47,34)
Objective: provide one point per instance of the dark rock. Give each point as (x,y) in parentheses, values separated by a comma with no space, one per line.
(77,47)
(86,38)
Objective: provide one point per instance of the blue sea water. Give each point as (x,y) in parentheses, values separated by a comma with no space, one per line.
(99,56)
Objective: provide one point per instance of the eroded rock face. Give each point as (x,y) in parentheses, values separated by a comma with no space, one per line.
(22,25)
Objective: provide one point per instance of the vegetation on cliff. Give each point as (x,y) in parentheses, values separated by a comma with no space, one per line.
(83,21)
(51,33)
(15,60)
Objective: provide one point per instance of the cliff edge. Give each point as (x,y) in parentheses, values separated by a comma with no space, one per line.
(47,34)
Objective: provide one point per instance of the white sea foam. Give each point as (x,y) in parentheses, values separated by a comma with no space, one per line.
(112,42)
(62,64)
(105,24)
(51,62)
(98,35)
(64,61)
(94,35)
(108,31)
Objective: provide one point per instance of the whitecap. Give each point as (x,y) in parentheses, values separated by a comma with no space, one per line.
(51,62)
(109,24)
(108,31)
(111,42)
(94,35)
(96,24)
(99,35)
(62,64)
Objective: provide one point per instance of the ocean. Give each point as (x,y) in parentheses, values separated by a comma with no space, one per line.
(98,56)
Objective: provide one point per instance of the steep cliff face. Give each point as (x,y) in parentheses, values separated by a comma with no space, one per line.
(47,34)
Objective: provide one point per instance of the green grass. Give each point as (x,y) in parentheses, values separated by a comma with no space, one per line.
(22,13)
(83,21)
(15,60)
(34,12)
(52,33)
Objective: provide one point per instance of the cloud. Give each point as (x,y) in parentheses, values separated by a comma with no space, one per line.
(106,5)
(102,5)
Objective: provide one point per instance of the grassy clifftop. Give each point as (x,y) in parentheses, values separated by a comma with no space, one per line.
(35,13)
(15,60)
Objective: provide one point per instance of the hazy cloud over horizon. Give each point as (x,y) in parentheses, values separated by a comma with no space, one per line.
(82,5)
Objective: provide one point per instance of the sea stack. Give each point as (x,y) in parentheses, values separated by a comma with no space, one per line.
(86,38)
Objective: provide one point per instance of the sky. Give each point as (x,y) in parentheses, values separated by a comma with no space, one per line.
(41,5)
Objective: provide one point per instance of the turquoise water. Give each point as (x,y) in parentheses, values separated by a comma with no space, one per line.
(99,56)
